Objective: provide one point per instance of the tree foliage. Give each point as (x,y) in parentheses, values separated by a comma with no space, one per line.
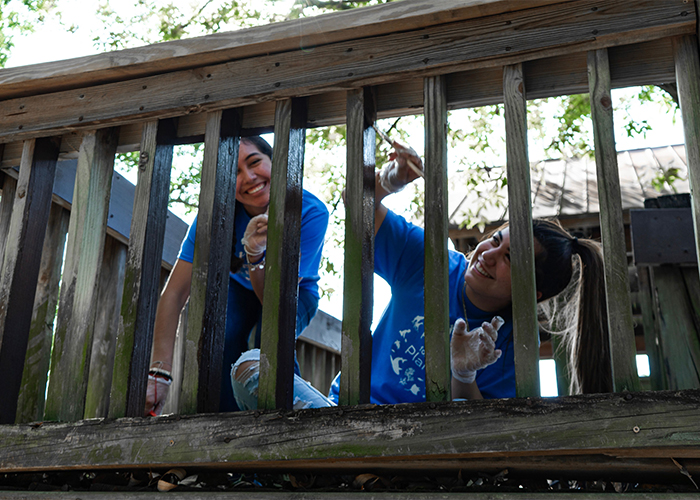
(17,17)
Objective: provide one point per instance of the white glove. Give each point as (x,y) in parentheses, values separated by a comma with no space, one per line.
(156,394)
(474,350)
(255,237)
(405,166)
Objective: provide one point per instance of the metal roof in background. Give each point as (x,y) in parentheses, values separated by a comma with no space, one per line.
(569,187)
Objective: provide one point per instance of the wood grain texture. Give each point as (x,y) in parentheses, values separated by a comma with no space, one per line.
(274,38)
(142,274)
(687,78)
(645,63)
(9,186)
(212,255)
(358,284)
(437,296)
(524,292)
(109,300)
(21,264)
(640,425)
(70,356)
(617,290)
(282,257)
(679,338)
(30,405)
(489,42)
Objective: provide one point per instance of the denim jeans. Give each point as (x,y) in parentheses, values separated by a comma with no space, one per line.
(245,387)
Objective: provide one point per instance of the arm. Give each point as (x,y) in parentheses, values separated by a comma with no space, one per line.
(172,300)
(460,390)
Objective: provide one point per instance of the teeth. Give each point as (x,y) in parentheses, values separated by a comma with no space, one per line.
(256,189)
(479,268)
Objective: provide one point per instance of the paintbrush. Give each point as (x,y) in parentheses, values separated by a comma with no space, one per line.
(388,140)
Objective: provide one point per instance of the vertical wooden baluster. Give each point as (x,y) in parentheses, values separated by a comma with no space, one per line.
(109,300)
(359,249)
(21,263)
(212,259)
(9,186)
(650,321)
(525,329)
(70,358)
(142,274)
(175,395)
(688,81)
(437,301)
(30,406)
(282,260)
(617,289)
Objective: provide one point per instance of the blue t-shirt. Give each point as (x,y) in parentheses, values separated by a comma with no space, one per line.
(398,346)
(314,222)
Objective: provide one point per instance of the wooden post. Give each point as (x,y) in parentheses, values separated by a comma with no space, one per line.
(30,406)
(176,394)
(21,263)
(70,358)
(282,259)
(109,300)
(212,257)
(142,275)
(359,248)
(525,328)
(9,186)
(437,299)
(688,81)
(617,289)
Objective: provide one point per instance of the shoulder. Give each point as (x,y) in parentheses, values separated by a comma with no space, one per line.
(312,207)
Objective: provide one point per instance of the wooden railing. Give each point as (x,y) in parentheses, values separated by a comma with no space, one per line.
(405,57)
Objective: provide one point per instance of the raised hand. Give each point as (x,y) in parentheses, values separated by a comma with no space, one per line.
(474,350)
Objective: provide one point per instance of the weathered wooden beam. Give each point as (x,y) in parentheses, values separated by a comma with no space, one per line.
(524,292)
(142,275)
(652,329)
(109,300)
(223,47)
(645,63)
(639,425)
(437,295)
(21,263)
(617,288)
(687,77)
(282,257)
(30,406)
(541,32)
(212,257)
(358,284)
(70,356)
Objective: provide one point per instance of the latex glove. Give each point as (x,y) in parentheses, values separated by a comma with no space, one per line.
(156,394)
(255,237)
(399,172)
(472,351)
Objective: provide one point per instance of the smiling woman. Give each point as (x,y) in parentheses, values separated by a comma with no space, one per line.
(245,291)
(479,292)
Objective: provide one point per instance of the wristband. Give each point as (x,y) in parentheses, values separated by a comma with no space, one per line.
(160,378)
(159,372)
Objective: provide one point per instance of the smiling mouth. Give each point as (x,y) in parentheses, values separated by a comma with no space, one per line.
(257,188)
(479,268)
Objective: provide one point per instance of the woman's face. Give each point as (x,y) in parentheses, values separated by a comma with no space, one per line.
(487,280)
(253,181)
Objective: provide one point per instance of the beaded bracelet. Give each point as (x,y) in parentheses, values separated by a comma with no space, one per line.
(253,266)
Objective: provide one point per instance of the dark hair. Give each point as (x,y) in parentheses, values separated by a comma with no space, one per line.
(264,147)
(561,257)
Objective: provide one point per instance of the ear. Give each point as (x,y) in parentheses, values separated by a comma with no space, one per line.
(539,295)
